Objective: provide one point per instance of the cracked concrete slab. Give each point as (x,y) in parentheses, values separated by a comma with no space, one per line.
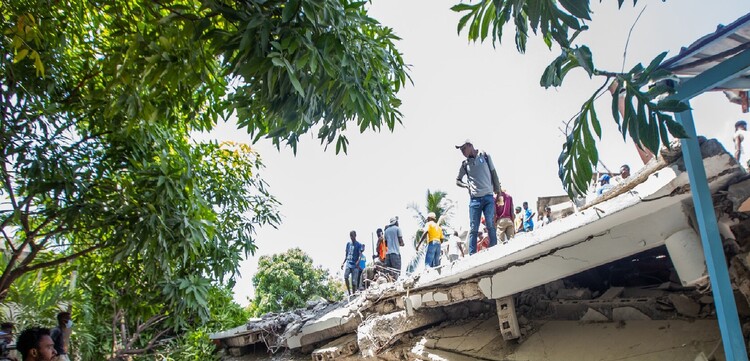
(378,332)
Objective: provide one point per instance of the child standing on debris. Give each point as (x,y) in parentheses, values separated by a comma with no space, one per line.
(351,273)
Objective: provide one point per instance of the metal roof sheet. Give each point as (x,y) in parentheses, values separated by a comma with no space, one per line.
(712,49)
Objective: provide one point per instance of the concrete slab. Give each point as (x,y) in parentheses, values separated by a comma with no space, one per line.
(593,315)
(628,314)
(685,305)
(673,340)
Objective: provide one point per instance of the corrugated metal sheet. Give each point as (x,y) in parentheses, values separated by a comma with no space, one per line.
(712,49)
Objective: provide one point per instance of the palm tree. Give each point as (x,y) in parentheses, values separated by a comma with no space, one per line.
(437,203)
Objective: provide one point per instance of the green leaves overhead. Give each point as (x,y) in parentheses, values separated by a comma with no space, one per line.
(98,111)
(645,112)
(577,8)
(490,16)
(644,119)
(305,64)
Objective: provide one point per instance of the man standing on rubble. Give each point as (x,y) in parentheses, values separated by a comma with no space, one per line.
(740,147)
(482,182)
(528,218)
(351,273)
(393,240)
(434,235)
(504,216)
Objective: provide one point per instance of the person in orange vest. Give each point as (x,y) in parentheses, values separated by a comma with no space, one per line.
(382,246)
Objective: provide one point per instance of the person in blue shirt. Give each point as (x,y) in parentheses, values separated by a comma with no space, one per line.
(604,185)
(528,218)
(351,262)
(362,258)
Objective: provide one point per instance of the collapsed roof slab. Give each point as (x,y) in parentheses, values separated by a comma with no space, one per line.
(639,218)
(632,222)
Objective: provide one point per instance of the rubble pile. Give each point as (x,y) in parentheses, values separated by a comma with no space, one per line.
(621,274)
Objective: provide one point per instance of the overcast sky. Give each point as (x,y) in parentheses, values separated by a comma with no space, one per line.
(463,90)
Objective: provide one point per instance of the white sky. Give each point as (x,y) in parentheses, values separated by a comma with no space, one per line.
(463,90)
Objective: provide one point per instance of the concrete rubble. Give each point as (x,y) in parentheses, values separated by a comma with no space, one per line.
(619,274)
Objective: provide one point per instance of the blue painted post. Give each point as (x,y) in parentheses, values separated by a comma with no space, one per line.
(726,309)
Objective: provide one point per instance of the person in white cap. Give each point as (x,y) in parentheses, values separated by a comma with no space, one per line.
(393,240)
(482,183)
(434,235)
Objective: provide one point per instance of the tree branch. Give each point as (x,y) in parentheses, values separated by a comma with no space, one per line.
(59,260)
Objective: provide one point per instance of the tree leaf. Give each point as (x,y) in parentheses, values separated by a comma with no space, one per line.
(291,8)
(20,55)
(583,55)
(577,8)
(671,105)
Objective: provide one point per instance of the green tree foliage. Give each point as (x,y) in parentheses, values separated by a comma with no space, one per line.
(98,101)
(288,280)
(647,119)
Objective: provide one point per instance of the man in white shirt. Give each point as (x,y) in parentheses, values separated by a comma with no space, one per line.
(740,150)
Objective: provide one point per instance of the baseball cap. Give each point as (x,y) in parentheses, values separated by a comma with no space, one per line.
(431,215)
(604,177)
(467,141)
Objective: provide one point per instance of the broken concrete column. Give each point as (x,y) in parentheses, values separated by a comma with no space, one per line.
(378,332)
(506,315)
(686,252)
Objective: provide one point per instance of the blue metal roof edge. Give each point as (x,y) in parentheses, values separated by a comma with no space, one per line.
(692,48)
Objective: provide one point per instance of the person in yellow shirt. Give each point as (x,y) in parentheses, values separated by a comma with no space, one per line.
(434,235)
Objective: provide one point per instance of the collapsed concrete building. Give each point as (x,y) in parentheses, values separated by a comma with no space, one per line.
(622,278)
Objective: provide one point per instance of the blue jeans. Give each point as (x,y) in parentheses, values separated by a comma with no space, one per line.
(432,257)
(352,272)
(477,206)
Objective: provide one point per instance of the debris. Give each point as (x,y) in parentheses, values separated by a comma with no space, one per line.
(628,314)
(379,332)
(611,293)
(685,305)
(574,294)
(593,315)
(551,288)
(336,349)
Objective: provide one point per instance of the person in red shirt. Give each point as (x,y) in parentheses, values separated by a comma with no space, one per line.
(504,217)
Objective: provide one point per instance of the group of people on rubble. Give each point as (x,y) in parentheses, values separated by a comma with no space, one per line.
(490,206)
(37,343)
(358,274)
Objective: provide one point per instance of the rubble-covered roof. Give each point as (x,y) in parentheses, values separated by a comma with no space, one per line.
(640,215)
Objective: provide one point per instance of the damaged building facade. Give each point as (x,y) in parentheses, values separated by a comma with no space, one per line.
(637,274)
(625,273)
